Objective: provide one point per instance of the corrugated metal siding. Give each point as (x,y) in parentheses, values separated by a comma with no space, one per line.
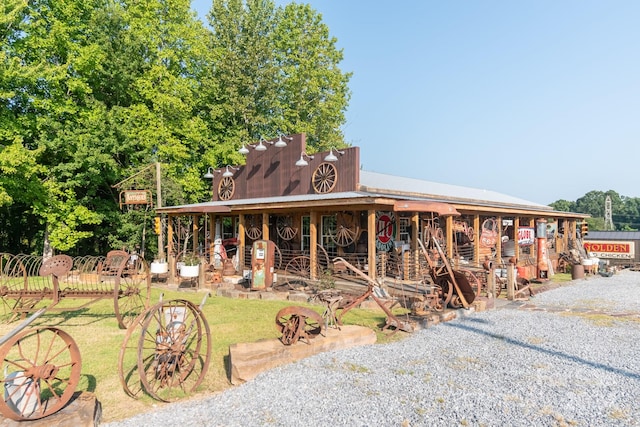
(613,235)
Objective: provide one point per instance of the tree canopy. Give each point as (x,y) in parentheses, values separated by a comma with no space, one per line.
(625,211)
(93,91)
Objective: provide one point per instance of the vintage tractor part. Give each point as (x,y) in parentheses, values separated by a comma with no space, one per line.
(347,228)
(452,282)
(392,321)
(39,373)
(298,323)
(174,349)
(128,357)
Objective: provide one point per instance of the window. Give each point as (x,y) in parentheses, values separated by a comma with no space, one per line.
(306,233)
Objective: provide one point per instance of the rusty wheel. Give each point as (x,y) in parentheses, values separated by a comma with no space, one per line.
(174,350)
(39,373)
(298,272)
(131,293)
(298,323)
(128,358)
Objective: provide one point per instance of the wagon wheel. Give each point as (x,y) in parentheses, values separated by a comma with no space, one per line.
(323,258)
(12,309)
(252,230)
(324,178)
(131,293)
(296,323)
(347,229)
(435,232)
(128,357)
(470,234)
(226,188)
(298,272)
(39,372)
(285,228)
(277,262)
(174,350)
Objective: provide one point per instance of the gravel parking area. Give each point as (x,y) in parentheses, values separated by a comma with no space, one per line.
(568,357)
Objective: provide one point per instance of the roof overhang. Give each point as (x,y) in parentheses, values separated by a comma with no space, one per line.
(198,208)
(442,209)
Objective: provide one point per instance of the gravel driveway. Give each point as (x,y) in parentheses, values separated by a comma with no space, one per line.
(568,357)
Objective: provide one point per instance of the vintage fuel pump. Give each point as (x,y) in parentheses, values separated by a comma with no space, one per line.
(262,264)
(543,257)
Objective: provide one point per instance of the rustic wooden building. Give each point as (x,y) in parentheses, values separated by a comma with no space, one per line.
(316,206)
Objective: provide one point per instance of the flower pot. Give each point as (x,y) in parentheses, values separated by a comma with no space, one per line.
(158,267)
(189,271)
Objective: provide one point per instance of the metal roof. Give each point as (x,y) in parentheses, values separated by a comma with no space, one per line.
(612,235)
(379,182)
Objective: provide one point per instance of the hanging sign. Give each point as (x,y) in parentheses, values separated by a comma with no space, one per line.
(135,197)
(385,230)
(526,236)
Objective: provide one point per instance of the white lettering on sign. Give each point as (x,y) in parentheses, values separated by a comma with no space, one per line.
(526,236)
(136,197)
(385,230)
(610,249)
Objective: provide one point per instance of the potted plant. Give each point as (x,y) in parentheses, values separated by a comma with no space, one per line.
(190,265)
(159,267)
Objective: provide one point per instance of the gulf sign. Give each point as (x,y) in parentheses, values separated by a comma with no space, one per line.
(610,249)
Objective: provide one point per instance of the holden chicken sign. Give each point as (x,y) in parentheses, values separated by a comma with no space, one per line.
(610,249)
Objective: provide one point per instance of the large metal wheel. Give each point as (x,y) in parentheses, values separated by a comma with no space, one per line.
(347,229)
(39,373)
(297,323)
(128,357)
(131,293)
(174,350)
(298,272)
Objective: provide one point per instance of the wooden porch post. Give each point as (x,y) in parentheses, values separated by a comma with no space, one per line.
(241,242)
(415,227)
(265,225)
(476,239)
(449,236)
(516,227)
(313,243)
(371,244)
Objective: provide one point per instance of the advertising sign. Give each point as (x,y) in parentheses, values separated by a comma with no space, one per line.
(136,197)
(526,236)
(610,249)
(385,230)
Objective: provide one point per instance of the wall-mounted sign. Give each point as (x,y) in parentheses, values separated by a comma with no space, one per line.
(526,236)
(610,249)
(385,230)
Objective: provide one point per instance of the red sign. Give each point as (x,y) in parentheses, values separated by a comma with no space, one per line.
(526,236)
(610,249)
(385,230)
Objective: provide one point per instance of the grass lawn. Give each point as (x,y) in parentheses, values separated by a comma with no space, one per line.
(95,331)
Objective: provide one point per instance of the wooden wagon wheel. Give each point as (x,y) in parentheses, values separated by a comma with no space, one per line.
(131,293)
(324,178)
(226,188)
(297,323)
(285,229)
(347,228)
(298,272)
(174,350)
(253,231)
(39,373)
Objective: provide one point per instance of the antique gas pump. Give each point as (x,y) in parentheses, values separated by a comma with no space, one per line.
(542,255)
(262,263)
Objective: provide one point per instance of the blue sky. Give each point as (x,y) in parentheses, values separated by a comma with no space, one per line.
(535,99)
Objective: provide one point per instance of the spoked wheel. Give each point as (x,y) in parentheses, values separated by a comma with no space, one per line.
(285,228)
(298,323)
(174,350)
(253,228)
(298,272)
(39,373)
(131,294)
(447,289)
(347,229)
(128,358)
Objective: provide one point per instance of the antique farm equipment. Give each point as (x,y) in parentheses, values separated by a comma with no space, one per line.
(300,272)
(166,351)
(455,285)
(40,370)
(27,281)
(372,289)
(298,323)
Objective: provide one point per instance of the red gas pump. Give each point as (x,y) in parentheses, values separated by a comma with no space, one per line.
(262,264)
(543,256)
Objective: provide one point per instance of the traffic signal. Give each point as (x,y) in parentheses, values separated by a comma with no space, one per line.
(157,225)
(584,229)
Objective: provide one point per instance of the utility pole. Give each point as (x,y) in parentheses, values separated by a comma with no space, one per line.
(159,205)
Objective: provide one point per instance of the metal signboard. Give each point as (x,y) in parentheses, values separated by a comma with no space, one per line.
(611,249)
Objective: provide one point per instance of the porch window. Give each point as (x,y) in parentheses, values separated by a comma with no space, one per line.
(327,230)
(306,233)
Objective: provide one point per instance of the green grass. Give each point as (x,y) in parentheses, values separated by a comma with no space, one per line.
(95,331)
